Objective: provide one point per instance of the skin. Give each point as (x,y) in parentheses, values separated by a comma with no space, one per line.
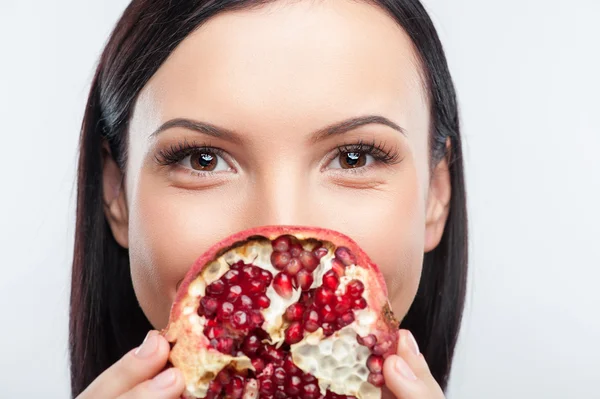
(329,62)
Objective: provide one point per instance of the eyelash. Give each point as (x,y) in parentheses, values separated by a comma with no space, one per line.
(378,150)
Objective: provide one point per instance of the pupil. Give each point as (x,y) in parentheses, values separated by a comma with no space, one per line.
(205,160)
(353,158)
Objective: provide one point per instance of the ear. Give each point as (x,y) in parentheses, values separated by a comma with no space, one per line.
(438,202)
(115,201)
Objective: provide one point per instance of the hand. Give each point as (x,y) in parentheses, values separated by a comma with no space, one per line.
(135,374)
(407,375)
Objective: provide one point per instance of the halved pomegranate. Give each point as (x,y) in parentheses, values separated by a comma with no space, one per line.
(282,312)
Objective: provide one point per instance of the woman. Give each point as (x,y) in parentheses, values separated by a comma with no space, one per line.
(207,117)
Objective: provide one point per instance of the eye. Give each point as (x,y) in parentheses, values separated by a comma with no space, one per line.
(204,161)
(351,160)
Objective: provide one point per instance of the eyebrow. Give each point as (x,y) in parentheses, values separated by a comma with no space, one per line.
(335,129)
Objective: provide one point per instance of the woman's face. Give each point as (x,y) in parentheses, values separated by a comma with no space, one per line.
(273,81)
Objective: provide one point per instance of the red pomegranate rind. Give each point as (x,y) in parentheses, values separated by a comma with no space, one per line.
(335,331)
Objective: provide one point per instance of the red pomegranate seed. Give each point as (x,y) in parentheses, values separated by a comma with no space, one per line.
(256,319)
(216,288)
(279,376)
(328,314)
(209,305)
(338,267)
(234,293)
(344,254)
(294,312)
(266,277)
(375,364)
(256,287)
(328,329)
(282,243)
(324,295)
(320,252)
(280,259)
(360,303)
(309,261)
(251,345)
(280,395)
(355,288)
(251,272)
(235,388)
(376,379)
(275,355)
(295,250)
(304,279)
(213,332)
(259,365)
(345,319)
(225,345)
(245,302)
(293,267)
(239,319)
(382,348)
(331,280)
(226,310)
(266,387)
(341,304)
(263,301)
(294,333)
(293,385)
(224,377)
(369,341)
(308,378)
(289,366)
(282,284)
(305,297)
(312,321)
(310,391)
(232,276)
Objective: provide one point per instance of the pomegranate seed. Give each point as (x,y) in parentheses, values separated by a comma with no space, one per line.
(235,388)
(346,319)
(320,252)
(369,341)
(234,293)
(259,365)
(215,387)
(256,319)
(294,312)
(239,319)
(355,288)
(226,310)
(251,345)
(213,332)
(376,379)
(324,295)
(296,250)
(238,264)
(293,267)
(312,321)
(309,261)
(341,304)
(224,377)
(328,329)
(209,305)
(360,303)
(282,243)
(308,378)
(328,314)
(338,267)
(283,285)
(225,345)
(272,354)
(280,259)
(266,277)
(216,288)
(245,302)
(279,376)
(310,391)
(382,348)
(305,297)
(256,287)
(331,280)
(266,387)
(251,272)
(293,386)
(294,333)
(280,395)
(290,367)
(263,301)
(375,364)
(344,254)
(304,279)
(232,276)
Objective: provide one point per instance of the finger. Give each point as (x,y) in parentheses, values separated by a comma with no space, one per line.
(137,366)
(167,385)
(407,375)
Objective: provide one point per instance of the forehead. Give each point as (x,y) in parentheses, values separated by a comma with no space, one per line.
(291,64)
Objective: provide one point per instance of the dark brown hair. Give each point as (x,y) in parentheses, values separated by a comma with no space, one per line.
(105,318)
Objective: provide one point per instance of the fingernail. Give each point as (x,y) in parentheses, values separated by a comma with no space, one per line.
(412,343)
(163,380)
(404,369)
(148,347)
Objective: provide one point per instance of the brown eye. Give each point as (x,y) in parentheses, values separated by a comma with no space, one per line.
(351,160)
(203,161)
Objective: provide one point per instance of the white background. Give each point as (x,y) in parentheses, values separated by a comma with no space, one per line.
(527,78)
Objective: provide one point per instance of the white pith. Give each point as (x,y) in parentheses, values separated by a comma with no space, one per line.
(338,361)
